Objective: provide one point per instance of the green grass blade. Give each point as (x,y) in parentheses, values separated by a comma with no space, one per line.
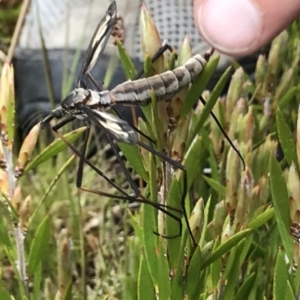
(280,277)
(199,85)
(37,283)
(126,62)
(192,285)
(287,97)
(216,185)
(61,171)
(4,295)
(214,96)
(262,219)
(39,245)
(145,285)
(246,287)
(281,205)
(225,247)
(134,158)
(54,148)
(149,221)
(286,139)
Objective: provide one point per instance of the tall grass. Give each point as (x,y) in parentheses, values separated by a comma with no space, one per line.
(57,242)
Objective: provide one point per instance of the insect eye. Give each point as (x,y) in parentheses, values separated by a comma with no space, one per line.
(59,113)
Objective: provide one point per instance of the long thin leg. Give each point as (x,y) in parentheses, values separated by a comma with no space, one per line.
(164,157)
(89,164)
(159,52)
(82,158)
(138,192)
(63,123)
(99,172)
(124,169)
(126,197)
(225,134)
(184,176)
(145,201)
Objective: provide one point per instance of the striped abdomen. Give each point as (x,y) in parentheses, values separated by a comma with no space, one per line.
(165,85)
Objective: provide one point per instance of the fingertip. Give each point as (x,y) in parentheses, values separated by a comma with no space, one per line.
(239,28)
(232,27)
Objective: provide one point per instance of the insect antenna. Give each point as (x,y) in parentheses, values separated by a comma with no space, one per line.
(33,119)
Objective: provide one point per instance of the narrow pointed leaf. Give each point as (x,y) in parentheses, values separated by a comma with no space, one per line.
(287,97)
(199,85)
(37,283)
(214,96)
(225,247)
(39,245)
(281,205)
(134,158)
(286,139)
(54,148)
(289,291)
(149,221)
(4,295)
(262,219)
(163,273)
(246,287)
(280,277)
(216,185)
(126,62)
(194,272)
(145,285)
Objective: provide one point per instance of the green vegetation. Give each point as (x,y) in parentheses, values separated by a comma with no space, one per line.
(57,242)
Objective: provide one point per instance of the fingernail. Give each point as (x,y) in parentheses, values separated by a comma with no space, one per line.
(231,26)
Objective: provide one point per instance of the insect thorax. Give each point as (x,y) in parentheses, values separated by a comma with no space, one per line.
(77,96)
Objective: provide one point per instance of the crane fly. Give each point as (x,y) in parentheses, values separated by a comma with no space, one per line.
(92,107)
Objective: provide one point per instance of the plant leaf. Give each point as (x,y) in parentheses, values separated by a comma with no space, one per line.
(134,158)
(216,185)
(126,62)
(145,286)
(281,205)
(262,218)
(225,247)
(199,85)
(39,245)
(214,96)
(280,277)
(286,139)
(54,148)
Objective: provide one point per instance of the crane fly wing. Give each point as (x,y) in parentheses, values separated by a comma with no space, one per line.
(119,129)
(99,40)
